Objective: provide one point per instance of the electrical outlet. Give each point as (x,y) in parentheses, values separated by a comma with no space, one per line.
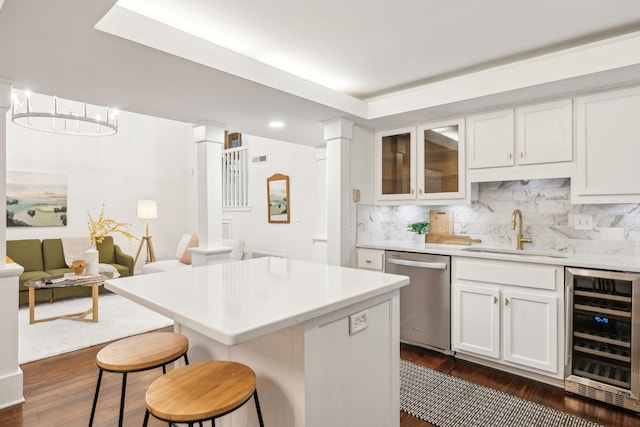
(358,321)
(583,222)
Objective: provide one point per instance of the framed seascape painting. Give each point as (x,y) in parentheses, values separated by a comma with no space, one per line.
(36,199)
(278,199)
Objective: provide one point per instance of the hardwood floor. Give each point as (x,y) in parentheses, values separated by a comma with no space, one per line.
(59,392)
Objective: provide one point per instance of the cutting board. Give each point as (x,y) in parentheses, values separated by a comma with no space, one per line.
(451,239)
(440,222)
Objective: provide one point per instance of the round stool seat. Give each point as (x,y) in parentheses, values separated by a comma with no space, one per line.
(201,391)
(142,352)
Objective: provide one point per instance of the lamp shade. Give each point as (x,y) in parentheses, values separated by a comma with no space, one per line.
(147,209)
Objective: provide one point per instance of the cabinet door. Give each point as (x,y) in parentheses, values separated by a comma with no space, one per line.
(490,139)
(395,164)
(544,133)
(608,147)
(441,160)
(530,330)
(476,320)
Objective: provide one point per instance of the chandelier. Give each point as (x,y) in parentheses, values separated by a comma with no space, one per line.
(57,115)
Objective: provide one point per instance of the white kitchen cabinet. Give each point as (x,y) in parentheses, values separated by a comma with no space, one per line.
(509,313)
(441,171)
(607,148)
(423,165)
(533,141)
(477,320)
(370,259)
(490,139)
(395,164)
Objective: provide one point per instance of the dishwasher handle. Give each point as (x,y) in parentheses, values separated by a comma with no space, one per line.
(419,264)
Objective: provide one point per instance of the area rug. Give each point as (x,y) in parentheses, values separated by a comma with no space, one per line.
(447,401)
(118,318)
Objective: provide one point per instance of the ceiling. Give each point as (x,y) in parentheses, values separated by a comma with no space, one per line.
(376,62)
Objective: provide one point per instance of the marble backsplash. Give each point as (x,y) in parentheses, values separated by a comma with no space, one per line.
(548,219)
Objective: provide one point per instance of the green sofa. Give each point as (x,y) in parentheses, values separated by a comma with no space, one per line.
(46,258)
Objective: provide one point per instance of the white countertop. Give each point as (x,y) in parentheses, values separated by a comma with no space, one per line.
(238,301)
(604,262)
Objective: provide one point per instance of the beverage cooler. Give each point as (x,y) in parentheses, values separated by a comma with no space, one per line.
(602,345)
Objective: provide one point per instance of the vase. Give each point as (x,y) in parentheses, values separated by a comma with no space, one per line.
(91,257)
(419,238)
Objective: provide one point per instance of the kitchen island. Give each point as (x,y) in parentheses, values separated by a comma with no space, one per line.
(323,340)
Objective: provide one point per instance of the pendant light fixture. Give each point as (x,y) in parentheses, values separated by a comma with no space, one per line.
(57,115)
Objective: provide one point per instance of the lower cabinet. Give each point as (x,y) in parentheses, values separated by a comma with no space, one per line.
(370,259)
(496,318)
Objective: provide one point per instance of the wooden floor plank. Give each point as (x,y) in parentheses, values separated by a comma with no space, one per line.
(59,392)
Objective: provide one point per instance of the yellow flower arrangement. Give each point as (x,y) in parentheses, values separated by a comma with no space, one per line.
(101,227)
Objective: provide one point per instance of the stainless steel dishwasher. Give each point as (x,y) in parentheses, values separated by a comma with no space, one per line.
(425,304)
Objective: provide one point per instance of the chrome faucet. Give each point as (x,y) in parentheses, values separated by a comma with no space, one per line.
(521,240)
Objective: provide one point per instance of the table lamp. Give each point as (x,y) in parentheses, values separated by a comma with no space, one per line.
(147,209)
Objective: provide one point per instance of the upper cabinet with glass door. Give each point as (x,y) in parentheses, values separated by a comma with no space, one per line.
(441,161)
(395,164)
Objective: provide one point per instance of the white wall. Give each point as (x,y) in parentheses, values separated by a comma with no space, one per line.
(149,158)
(299,163)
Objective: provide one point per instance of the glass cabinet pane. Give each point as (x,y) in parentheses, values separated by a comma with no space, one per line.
(441,151)
(396,164)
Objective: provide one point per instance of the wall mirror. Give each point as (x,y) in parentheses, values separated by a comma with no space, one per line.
(278,204)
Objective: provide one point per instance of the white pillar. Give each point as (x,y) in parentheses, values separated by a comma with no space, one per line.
(320,232)
(338,134)
(210,140)
(10,373)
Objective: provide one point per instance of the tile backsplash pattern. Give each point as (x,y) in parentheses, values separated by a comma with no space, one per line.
(548,219)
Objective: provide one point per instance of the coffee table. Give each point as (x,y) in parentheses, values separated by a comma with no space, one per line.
(63,281)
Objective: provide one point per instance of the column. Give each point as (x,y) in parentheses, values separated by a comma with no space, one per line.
(210,140)
(338,134)
(320,232)
(11,380)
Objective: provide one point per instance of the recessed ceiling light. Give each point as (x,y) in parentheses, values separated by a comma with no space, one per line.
(276,124)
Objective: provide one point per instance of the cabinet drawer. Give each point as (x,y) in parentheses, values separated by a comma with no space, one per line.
(371,259)
(514,274)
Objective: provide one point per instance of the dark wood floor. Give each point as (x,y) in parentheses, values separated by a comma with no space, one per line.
(59,392)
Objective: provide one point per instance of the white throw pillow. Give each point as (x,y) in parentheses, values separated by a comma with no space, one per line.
(238,248)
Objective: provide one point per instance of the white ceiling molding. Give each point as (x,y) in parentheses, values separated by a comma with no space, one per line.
(607,55)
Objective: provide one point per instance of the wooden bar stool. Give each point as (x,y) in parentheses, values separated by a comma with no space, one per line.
(201,392)
(138,353)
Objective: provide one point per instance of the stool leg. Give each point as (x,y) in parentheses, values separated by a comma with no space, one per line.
(95,398)
(146,418)
(255,397)
(124,388)
(186,359)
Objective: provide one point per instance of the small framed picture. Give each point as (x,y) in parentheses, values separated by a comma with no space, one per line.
(233,140)
(278,199)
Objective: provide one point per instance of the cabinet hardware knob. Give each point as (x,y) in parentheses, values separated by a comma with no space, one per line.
(368,261)
(495,300)
(506,301)
(419,190)
(412,191)
(521,155)
(510,156)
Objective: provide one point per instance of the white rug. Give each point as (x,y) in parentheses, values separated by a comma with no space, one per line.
(118,318)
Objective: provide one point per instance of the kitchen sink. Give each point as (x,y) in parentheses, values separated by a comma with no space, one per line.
(515,251)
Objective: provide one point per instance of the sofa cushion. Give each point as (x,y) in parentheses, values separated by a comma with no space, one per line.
(106,251)
(27,253)
(53,255)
